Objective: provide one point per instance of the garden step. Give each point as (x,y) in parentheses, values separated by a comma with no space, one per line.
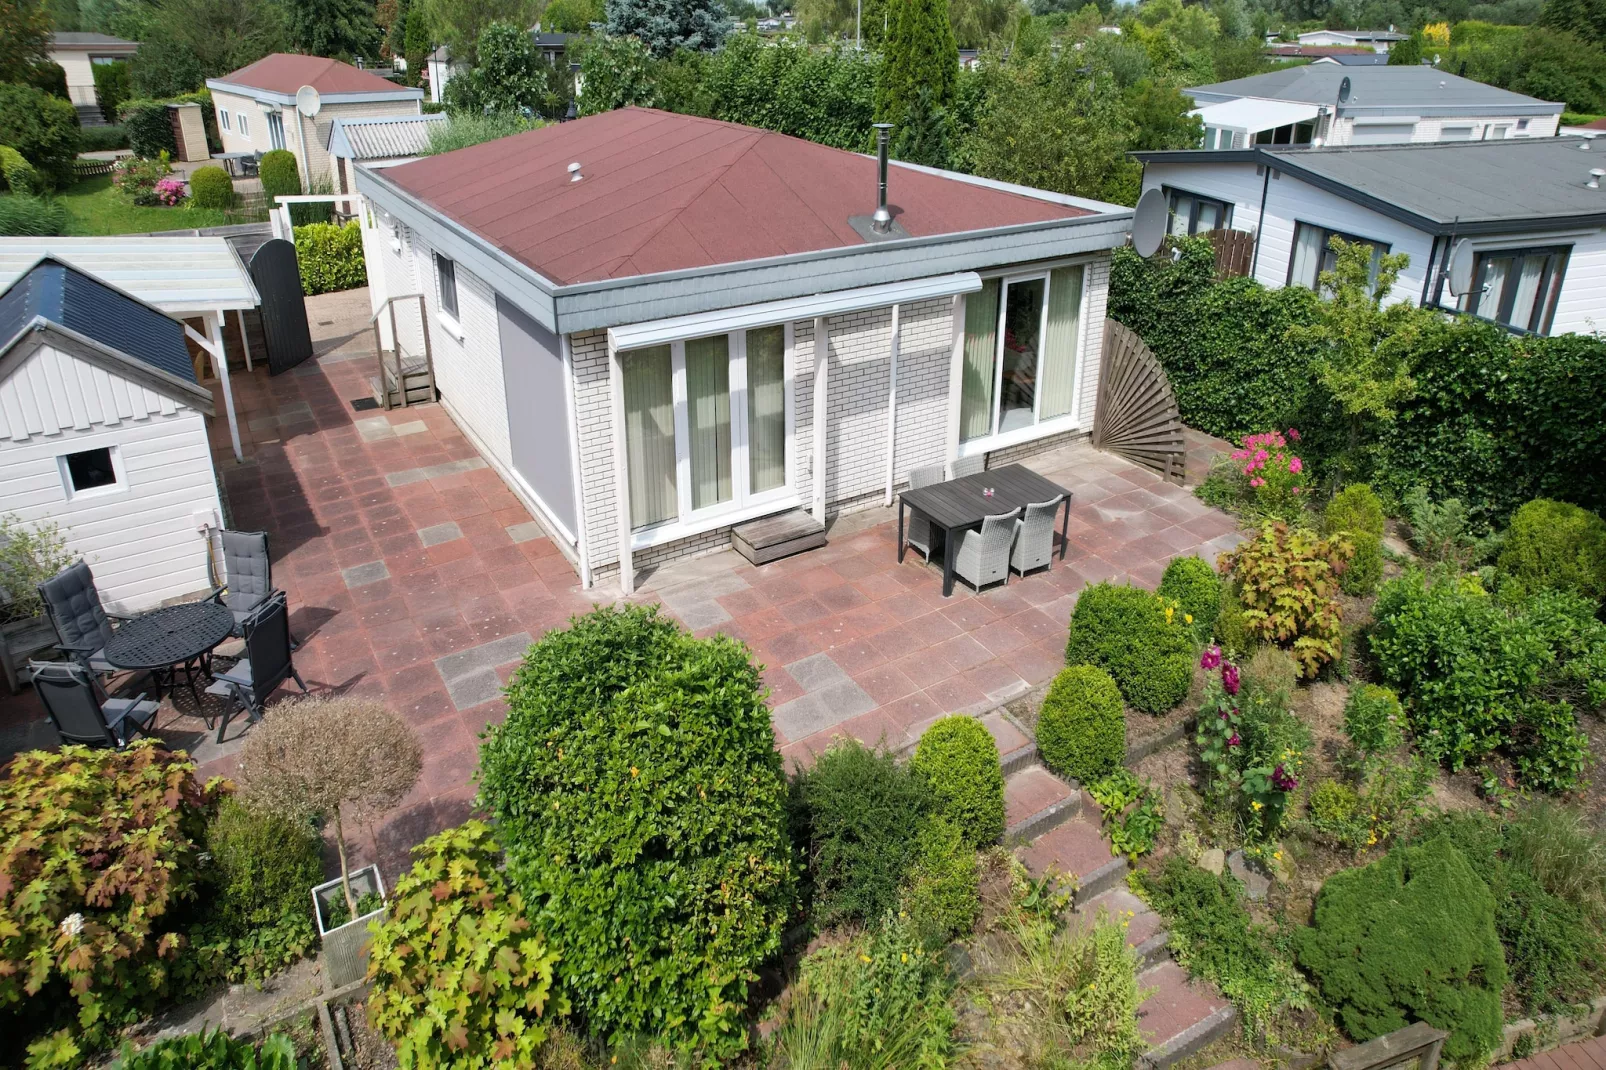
(1035,801)
(1145,930)
(1180,1017)
(1237,1064)
(1015,748)
(1077,850)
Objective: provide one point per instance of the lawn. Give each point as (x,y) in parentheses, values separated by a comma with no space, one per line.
(95,207)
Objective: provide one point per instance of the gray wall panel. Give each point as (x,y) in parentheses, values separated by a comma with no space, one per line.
(537,422)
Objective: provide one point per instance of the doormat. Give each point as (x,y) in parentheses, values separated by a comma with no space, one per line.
(364,404)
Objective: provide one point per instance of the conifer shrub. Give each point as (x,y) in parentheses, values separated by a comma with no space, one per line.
(1139,639)
(1081,728)
(959,760)
(1193,585)
(1557,546)
(942,895)
(1354,509)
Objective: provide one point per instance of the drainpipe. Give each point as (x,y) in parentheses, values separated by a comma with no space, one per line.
(1260,224)
(892,404)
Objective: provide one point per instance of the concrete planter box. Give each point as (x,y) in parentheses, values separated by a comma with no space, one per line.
(345,947)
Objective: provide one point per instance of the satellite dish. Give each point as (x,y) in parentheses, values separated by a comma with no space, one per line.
(308,101)
(1461,258)
(1149,222)
(1343,90)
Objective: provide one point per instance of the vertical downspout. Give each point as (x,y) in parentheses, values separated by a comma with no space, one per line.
(892,404)
(822,351)
(1260,224)
(1427,278)
(582,549)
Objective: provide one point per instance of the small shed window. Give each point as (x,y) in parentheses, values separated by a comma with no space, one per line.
(223,119)
(89,470)
(446,274)
(245,125)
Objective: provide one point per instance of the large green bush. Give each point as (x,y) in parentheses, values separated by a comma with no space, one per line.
(330,257)
(637,788)
(958,758)
(1410,937)
(280,174)
(150,129)
(43,128)
(102,138)
(111,87)
(211,187)
(1081,728)
(1554,545)
(1193,585)
(210,1049)
(17,174)
(863,810)
(1138,639)
(942,895)
(1354,509)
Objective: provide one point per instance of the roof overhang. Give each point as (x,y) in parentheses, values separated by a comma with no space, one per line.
(39,332)
(273,96)
(1251,115)
(565,309)
(179,276)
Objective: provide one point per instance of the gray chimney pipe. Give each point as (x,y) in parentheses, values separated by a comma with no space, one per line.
(881,222)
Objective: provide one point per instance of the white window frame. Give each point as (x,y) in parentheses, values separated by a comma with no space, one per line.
(223,120)
(1382,249)
(451,319)
(744,504)
(244,124)
(119,486)
(1039,428)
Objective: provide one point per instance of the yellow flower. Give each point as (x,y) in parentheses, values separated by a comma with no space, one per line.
(865,958)
(1188,617)
(1169,610)
(1255,803)
(634,771)
(1278,855)
(904,957)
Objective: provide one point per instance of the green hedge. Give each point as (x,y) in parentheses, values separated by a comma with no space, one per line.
(102,138)
(43,128)
(1081,728)
(150,131)
(211,187)
(330,257)
(16,174)
(31,217)
(280,174)
(959,759)
(1128,632)
(111,88)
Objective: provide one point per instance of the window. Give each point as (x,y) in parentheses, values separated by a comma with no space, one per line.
(1518,287)
(89,470)
(706,425)
(276,129)
(1498,133)
(245,125)
(1288,134)
(1313,254)
(1217,137)
(446,275)
(1193,214)
(1455,133)
(223,119)
(1022,340)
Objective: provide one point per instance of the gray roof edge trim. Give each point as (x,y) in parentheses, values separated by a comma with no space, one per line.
(1205,156)
(85,347)
(273,96)
(660,299)
(370,120)
(1066,199)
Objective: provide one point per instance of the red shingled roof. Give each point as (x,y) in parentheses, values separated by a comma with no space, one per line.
(662,192)
(284,72)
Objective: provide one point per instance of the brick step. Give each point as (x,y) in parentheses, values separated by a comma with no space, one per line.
(1036,801)
(1078,851)
(1237,1064)
(1180,1017)
(1145,930)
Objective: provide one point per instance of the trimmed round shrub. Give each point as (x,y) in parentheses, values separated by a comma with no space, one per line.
(1374,720)
(1354,509)
(1555,545)
(1365,569)
(330,257)
(43,128)
(1127,632)
(943,893)
(211,187)
(1409,938)
(636,786)
(959,760)
(1195,587)
(280,174)
(264,867)
(1081,729)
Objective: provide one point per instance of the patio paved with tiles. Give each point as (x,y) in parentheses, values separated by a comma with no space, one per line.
(415,577)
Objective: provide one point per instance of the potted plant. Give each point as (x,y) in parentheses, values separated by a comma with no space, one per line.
(334,757)
(28,557)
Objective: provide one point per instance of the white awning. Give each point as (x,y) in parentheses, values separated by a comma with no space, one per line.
(839,302)
(1251,115)
(180,276)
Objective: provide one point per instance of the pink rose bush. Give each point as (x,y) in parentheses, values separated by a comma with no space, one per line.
(1275,473)
(169,191)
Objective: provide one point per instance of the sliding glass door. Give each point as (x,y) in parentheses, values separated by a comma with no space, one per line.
(1022,344)
(707,425)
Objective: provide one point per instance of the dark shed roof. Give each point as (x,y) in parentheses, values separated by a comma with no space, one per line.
(63,295)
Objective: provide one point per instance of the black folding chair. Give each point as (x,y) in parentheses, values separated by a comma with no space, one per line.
(247,579)
(265,666)
(82,713)
(83,627)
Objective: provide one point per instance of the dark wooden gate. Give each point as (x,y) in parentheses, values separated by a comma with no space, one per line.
(1137,415)
(284,307)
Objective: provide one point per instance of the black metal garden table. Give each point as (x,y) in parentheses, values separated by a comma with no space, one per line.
(172,639)
(965,503)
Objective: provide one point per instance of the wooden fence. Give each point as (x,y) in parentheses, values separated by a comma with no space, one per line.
(1235,252)
(1137,415)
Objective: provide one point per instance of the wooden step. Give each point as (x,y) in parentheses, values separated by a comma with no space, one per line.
(773,537)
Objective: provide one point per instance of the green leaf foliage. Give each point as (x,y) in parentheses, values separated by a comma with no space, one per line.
(44,128)
(1354,509)
(111,87)
(150,129)
(920,53)
(959,760)
(330,257)
(1410,937)
(1554,545)
(821,95)
(460,979)
(280,174)
(32,217)
(1193,585)
(211,187)
(637,788)
(1365,570)
(17,174)
(942,895)
(210,1050)
(1128,632)
(1374,720)
(1081,728)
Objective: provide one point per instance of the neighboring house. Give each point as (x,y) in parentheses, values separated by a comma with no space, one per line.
(1376,40)
(379,141)
(1355,59)
(1359,57)
(77,53)
(1589,130)
(1526,206)
(256,105)
(657,326)
(1386,105)
(103,432)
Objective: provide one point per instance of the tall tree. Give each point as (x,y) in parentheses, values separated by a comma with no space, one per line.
(919,51)
(1582,18)
(571,16)
(24,38)
(458,23)
(342,28)
(667,25)
(615,72)
(211,37)
(1406,53)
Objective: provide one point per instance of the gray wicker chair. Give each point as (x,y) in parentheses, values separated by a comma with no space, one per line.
(919,533)
(982,557)
(969,466)
(1034,536)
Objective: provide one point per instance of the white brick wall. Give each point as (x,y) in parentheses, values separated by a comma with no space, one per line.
(594,418)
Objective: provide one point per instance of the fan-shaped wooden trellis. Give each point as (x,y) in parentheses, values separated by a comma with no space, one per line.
(1137,415)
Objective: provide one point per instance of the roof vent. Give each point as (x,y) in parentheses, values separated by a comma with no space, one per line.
(881,225)
(1595,175)
(574,172)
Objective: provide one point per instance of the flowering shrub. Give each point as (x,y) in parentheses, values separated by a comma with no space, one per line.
(1276,474)
(169,191)
(1252,748)
(138,178)
(1287,579)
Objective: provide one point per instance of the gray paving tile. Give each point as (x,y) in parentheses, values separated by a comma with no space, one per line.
(525,532)
(295,408)
(436,534)
(374,428)
(434,471)
(363,575)
(470,675)
(481,685)
(701,613)
(823,709)
(412,427)
(816,672)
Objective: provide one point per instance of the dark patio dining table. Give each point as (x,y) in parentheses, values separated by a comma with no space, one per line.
(964,503)
(171,640)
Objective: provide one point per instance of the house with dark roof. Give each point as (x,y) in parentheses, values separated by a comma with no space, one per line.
(1337,104)
(1377,40)
(1532,212)
(656,327)
(77,54)
(256,105)
(103,433)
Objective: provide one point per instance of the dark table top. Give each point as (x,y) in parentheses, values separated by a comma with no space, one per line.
(961,502)
(169,636)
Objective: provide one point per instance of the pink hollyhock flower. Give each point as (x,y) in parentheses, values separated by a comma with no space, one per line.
(1229,678)
(1234,741)
(1210,658)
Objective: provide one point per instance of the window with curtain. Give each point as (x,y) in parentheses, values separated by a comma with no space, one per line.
(1313,254)
(766,408)
(1192,214)
(1022,341)
(446,275)
(708,419)
(1518,287)
(650,435)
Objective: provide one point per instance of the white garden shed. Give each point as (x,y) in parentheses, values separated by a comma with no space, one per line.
(103,432)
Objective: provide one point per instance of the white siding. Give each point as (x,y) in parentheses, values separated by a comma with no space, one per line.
(141,539)
(1581,308)
(314,154)
(1431,127)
